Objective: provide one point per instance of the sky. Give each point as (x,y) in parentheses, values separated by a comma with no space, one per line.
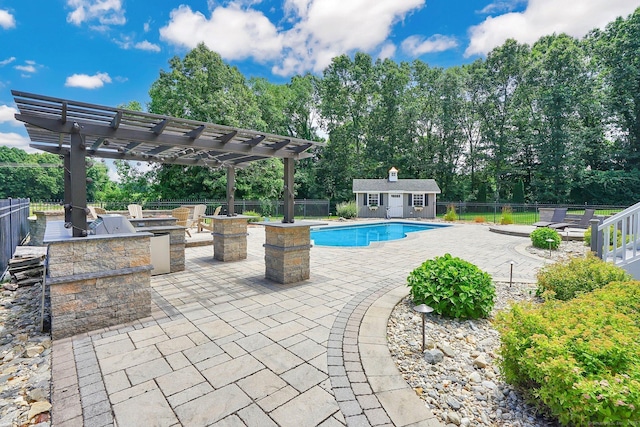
(109,52)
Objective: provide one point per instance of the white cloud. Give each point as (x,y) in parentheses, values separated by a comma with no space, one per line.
(12,139)
(7,21)
(387,51)
(501,6)
(327,28)
(318,30)
(146,45)
(7,61)
(542,17)
(418,45)
(88,82)
(26,68)
(7,115)
(106,12)
(147,26)
(233,32)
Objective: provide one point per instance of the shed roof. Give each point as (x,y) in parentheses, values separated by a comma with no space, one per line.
(401,185)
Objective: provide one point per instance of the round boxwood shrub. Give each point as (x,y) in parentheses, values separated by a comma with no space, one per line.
(579,358)
(566,279)
(453,287)
(540,235)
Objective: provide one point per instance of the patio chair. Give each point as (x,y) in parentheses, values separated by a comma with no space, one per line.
(182,214)
(582,223)
(202,225)
(95,211)
(558,216)
(135,211)
(198,211)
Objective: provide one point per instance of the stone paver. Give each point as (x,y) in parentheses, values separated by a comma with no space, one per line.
(226,347)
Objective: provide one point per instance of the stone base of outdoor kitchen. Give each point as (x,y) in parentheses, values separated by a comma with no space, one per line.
(177,241)
(286,251)
(38,226)
(97,281)
(229,237)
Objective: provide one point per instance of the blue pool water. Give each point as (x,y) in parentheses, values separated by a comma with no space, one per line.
(363,234)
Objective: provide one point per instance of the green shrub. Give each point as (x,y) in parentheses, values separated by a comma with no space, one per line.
(540,235)
(507,215)
(566,279)
(587,237)
(347,209)
(580,358)
(451,214)
(453,287)
(255,216)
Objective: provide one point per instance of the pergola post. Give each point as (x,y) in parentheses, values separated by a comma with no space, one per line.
(231,190)
(78,170)
(288,190)
(67,187)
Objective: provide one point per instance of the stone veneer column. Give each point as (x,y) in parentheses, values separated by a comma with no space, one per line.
(287,248)
(230,237)
(98,281)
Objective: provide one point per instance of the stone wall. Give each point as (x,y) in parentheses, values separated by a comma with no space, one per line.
(98,282)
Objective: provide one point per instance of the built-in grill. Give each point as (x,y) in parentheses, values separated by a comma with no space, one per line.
(111,224)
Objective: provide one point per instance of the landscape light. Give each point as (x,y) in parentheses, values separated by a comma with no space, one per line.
(424,309)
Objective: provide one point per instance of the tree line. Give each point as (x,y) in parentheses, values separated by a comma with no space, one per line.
(557,121)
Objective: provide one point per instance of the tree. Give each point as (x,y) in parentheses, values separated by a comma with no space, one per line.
(345,95)
(518,192)
(559,75)
(617,51)
(37,176)
(203,87)
(505,66)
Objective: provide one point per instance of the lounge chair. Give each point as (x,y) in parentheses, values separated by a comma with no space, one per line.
(95,211)
(182,214)
(558,216)
(198,211)
(135,211)
(202,225)
(582,223)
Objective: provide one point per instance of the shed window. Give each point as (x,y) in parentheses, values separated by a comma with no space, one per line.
(373,199)
(418,200)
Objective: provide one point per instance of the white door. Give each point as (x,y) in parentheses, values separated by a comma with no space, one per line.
(395,205)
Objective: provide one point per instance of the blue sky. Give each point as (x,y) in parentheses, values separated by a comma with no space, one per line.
(110,51)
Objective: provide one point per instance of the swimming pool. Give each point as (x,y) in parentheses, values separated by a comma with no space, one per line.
(364,234)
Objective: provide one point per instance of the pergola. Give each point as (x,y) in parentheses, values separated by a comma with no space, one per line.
(76,130)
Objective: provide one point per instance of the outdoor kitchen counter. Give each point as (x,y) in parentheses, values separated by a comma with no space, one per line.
(96,281)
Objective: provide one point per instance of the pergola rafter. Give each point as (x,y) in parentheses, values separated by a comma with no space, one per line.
(76,130)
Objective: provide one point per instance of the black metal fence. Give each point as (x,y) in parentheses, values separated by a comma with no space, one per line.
(304,208)
(14,227)
(520,213)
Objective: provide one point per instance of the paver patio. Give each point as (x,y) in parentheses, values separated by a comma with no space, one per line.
(226,347)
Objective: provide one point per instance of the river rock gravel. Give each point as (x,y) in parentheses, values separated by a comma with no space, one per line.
(25,358)
(458,375)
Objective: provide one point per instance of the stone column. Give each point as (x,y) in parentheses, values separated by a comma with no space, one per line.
(286,253)
(230,237)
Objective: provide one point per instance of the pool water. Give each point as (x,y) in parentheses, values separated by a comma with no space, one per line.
(364,234)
